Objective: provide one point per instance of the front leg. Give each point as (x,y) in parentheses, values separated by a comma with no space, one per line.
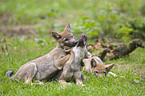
(67,73)
(78,76)
(60,63)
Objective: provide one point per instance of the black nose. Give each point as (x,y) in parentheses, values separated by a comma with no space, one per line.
(76,41)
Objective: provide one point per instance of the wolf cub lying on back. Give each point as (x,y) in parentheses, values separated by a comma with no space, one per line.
(72,68)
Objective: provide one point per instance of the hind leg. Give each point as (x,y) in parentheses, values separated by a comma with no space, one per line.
(26,72)
(66,75)
(78,76)
(31,72)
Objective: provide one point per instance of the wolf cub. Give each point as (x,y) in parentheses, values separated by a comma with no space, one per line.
(72,68)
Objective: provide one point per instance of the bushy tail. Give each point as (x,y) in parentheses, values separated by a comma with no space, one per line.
(9,73)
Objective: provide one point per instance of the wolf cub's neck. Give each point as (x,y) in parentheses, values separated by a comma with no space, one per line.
(79,51)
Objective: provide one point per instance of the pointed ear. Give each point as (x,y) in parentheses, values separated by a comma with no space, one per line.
(93,63)
(67,28)
(56,35)
(109,67)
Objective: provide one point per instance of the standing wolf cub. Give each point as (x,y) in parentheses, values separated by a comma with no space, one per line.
(72,68)
(47,66)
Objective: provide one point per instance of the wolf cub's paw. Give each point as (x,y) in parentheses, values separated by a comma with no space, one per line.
(63,82)
(41,83)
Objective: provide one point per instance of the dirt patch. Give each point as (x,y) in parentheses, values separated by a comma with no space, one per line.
(18,31)
(11,31)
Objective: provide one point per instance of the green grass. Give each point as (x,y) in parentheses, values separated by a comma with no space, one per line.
(21,52)
(108,18)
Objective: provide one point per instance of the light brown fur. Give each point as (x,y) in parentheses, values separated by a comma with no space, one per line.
(47,66)
(96,66)
(72,68)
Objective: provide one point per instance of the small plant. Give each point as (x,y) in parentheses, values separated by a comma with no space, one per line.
(124,33)
(138,24)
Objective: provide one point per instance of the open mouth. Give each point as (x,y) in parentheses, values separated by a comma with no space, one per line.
(72,44)
(82,40)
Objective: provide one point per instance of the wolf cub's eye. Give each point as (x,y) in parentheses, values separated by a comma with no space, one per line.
(72,36)
(104,72)
(65,39)
(96,72)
